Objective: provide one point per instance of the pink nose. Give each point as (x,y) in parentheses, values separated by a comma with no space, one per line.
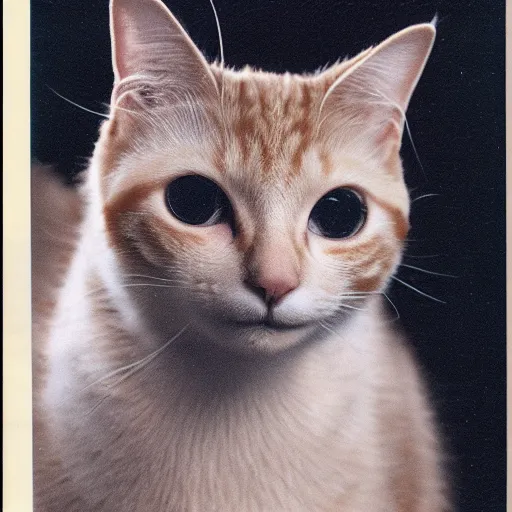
(273,268)
(273,286)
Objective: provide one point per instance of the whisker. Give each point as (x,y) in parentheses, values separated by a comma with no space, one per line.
(117,107)
(393,305)
(416,290)
(153,285)
(96,405)
(77,105)
(346,306)
(424,196)
(150,277)
(427,271)
(219,33)
(380,94)
(406,122)
(135,369)
(425,256)
(137,365)
(364,294)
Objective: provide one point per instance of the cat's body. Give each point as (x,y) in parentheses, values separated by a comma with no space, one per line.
(169,386)
(336,425)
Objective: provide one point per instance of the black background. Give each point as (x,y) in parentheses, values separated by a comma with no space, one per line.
(457,122)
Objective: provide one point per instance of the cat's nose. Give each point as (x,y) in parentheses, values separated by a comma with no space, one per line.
(273,269)
(273,286)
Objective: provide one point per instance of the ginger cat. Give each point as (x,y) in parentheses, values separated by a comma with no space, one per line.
(219,342)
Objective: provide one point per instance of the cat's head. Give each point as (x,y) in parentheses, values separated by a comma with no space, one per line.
(264,207)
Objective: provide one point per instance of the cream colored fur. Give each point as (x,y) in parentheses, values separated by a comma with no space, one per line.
(154,399)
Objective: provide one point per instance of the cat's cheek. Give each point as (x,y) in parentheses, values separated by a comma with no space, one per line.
(220,234)
(316,246)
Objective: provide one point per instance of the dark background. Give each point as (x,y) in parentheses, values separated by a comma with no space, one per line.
(457,121)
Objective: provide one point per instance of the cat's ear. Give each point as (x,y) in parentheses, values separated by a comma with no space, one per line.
(150,47)
(373,94)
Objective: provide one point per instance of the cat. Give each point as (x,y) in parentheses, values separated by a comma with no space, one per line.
(218,341)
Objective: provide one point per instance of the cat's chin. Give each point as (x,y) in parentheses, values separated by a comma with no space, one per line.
(262,337)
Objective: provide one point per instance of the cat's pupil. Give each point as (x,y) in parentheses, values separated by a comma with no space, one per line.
(196,200)
(338,214)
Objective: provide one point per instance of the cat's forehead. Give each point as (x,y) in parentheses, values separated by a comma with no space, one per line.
(270,123)
(271,94)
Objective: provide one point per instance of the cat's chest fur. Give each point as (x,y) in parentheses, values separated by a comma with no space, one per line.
(197,431)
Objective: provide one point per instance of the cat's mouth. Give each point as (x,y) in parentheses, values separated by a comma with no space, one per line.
(270,324)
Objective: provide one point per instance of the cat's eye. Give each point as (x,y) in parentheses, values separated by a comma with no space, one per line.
(196,200)
(339,214)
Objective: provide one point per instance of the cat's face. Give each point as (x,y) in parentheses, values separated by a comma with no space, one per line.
(264,207)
